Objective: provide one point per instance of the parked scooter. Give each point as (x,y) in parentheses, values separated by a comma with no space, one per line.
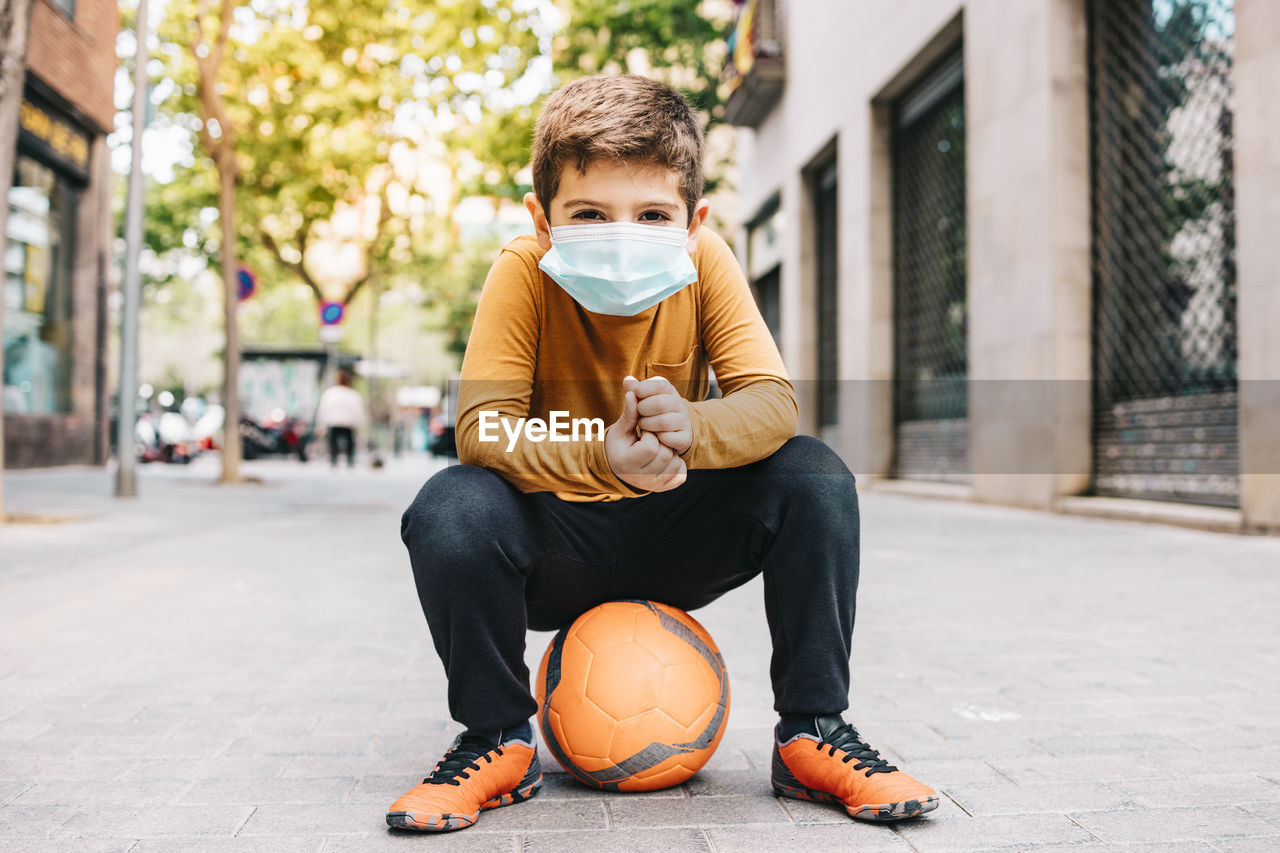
(277,434)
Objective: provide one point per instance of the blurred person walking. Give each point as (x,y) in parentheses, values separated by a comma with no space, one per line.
(339,415)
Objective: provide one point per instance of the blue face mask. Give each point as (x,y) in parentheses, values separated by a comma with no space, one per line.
(619,268)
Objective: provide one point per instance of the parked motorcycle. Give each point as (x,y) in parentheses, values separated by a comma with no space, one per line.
(275,435)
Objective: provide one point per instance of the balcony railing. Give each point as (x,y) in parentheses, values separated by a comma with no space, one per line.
(755,72)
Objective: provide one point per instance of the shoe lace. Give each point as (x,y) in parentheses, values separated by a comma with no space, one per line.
(847,738)
(461,758)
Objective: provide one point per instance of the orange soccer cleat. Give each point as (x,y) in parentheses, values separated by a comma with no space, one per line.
(473,775)
(837,766)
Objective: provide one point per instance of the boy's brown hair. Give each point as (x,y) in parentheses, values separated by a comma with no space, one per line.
(617,117)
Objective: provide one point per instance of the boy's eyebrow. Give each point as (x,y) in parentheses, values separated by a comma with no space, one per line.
(586,202)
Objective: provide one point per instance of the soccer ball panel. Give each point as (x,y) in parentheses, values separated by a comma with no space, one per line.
(625,679)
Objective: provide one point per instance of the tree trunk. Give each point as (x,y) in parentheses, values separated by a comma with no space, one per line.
(15,21)
(231,302)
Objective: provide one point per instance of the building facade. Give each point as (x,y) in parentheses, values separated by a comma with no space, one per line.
(1021,248)
(59,234)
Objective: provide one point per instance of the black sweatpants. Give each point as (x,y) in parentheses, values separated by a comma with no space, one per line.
(491,562)
(342,440)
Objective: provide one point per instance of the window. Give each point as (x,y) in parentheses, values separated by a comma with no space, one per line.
(37,290)
(825,232)
(764,259)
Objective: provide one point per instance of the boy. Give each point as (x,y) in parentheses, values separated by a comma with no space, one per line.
(619,303)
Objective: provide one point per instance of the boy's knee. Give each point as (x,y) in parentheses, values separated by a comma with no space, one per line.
(456,500)
(811,474)
(804,455)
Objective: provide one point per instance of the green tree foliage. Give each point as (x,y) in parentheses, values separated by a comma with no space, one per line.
(322,96)
(680,42)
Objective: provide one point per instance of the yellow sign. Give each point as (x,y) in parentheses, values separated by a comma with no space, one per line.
(58,135)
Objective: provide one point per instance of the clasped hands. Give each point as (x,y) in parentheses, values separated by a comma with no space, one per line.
(650,459)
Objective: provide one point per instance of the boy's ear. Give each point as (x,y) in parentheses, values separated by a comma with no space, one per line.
(540,225)
(700,211)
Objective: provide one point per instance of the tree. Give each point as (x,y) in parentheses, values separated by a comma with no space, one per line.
(218,136)
(15,21)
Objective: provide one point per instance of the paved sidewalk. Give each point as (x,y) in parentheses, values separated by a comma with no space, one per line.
(246,668)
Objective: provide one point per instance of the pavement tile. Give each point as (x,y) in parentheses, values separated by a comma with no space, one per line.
(226,767)
(562,786)
(617,841)
(1038,797)
(258,745)
(992,832)
(303,766)
(154,821)
(1260,758)
(702,812)
(300,820)
(1074,768)
(34,769)
(32,821)
(398,841)
(377,790)
(729,783)
(384,728)
(1269,811)
(1255,844)
(1196,791)
(1129,743)
(943,773)
(822,838)
(83,794)
(1175,825)
(69,845)
(261,792)
(986,747)
(537,815)
(10,789)
(49,748)
(16,729)
(90,730)
(143,747)
(729,758)
(230,845)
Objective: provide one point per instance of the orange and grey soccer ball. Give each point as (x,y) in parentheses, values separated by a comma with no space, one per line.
(633,696)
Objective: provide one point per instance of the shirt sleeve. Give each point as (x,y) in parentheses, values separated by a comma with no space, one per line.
(497,376)
(758,410)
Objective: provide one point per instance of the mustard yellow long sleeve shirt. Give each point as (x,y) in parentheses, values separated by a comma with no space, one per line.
(533,350)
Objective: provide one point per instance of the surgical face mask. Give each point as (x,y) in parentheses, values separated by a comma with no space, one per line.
(619,268)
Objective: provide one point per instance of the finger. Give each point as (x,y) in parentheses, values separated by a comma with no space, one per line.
(657,455)
(630,383)
(627,420)
(665,422)
(678,440)
(658,403)
(654,385)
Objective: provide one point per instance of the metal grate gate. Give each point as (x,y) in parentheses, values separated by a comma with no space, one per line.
(931,361)
(1164,330)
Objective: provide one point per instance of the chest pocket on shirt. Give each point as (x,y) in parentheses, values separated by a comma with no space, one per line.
(682,375)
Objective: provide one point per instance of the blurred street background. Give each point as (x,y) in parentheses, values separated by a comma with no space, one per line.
(1017,255)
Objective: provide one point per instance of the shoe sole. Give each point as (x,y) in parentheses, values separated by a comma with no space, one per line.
(882,812)
(450,821)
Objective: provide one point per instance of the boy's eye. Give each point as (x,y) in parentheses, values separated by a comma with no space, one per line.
(654,216)
(589,215)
